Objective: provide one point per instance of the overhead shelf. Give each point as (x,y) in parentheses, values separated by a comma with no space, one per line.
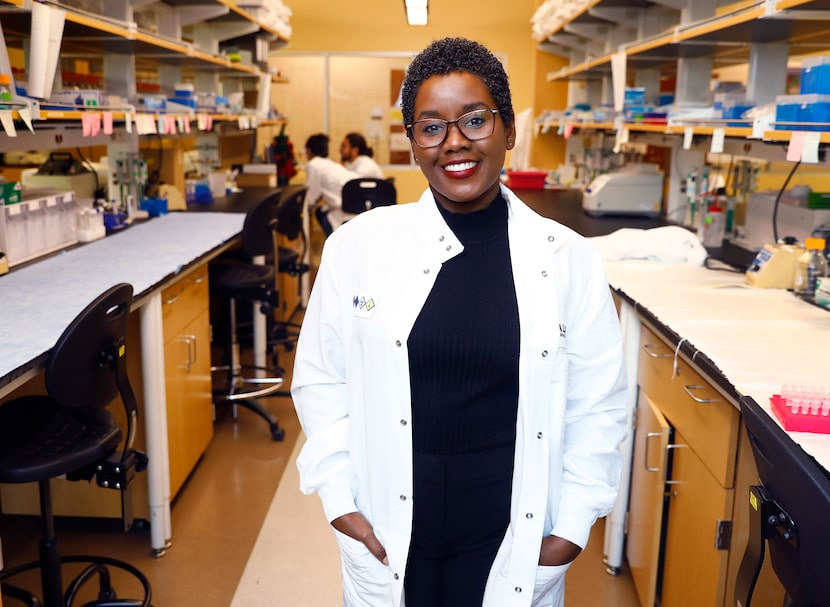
(727,38)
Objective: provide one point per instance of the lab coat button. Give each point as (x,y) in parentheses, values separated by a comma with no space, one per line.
(529,515)
(396,576)
(441,239)
(551,238)
(544,353)
(449,247)
(518,589)
(398,342)
(403,422)
(544,274)
(539,435)
(426,270)
(403,498)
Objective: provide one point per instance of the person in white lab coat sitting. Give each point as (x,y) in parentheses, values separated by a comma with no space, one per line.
(325,179)
(357,156)
(459,372)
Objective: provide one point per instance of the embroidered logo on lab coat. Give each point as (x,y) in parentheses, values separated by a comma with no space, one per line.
(363,305)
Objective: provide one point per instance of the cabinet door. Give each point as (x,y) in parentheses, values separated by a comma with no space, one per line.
(648,494)
(694,569)
(189,399)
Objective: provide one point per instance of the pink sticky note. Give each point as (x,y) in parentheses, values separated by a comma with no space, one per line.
(796,146)
(86,125)
(107,123)
(569,128)
(95,121)
(187,124)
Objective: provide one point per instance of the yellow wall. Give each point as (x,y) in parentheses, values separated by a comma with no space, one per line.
(327,31)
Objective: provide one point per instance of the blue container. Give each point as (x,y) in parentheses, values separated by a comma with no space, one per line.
(154,206)
(787,109)
(736,111)
(815,108)
(815,75)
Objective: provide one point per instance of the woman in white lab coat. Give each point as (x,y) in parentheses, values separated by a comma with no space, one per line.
(459,371)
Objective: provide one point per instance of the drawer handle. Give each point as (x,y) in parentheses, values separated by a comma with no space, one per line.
(190,342)
(668,449)
(647,347)
(200,280)
(172,300)
(688,390)
(649,436)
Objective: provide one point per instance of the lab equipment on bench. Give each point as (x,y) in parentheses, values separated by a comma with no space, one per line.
(774,266)
(635,190)
(64,173)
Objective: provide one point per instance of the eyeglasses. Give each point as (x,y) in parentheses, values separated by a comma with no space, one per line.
(475,125)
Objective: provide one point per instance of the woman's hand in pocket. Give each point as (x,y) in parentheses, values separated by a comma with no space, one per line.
(557,551)
(357,527)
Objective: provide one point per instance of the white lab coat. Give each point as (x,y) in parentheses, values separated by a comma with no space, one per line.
(365,166)
(325,179)
(351,392)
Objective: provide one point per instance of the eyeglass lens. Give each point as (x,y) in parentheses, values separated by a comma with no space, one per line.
(478,124)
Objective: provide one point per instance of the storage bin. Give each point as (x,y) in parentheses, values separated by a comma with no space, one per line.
(735,111)
(815,75)
(815,108)
(787,109)
(526,180)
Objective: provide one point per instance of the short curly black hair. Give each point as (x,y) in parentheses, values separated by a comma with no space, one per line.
(450,55)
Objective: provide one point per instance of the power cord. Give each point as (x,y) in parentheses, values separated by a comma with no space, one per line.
(778,201)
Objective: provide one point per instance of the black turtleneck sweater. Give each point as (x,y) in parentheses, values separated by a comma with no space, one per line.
(464,346)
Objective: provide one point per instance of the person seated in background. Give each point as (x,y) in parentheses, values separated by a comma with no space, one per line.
(357,156)
(325,179)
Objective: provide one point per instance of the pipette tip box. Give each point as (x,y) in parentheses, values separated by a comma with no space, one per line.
(795,419)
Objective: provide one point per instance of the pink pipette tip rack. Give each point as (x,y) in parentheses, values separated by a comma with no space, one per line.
(802,414)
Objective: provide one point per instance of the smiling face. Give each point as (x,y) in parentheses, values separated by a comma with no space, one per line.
(463,175)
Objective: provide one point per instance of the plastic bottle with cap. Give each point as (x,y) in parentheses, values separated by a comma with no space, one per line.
(811,265)
(714,226)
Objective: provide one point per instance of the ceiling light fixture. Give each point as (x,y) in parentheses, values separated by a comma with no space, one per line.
(416,12)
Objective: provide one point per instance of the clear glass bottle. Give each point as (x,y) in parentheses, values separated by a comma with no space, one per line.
(811,265)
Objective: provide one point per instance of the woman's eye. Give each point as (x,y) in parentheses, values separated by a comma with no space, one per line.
(433,128)
(475,122)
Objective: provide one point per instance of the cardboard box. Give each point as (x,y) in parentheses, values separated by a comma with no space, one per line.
(256,181)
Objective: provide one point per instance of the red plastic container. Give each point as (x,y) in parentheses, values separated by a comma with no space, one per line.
(526,180)
(799,422)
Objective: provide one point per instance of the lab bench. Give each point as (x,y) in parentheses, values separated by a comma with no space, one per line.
(165,260)
(696,340)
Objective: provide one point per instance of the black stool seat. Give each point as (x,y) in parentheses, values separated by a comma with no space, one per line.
(69,433)
(232,276)
(41,440)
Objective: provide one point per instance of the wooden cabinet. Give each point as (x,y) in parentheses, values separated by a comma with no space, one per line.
(692,466)
(647,501)
(187,379)
(696,470)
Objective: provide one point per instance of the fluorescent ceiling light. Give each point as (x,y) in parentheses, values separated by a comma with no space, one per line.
(416,11)
(416,16)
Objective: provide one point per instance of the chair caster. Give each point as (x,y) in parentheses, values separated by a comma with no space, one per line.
(277,433)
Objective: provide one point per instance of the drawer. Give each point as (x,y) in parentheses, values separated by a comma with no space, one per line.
(708,422)
(184,300)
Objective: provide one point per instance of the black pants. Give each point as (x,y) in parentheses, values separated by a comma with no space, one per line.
(322,215)
(461,512)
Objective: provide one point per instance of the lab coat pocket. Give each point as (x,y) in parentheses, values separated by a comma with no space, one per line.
(365,579)
(549,590)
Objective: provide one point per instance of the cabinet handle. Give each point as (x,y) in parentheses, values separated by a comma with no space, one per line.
(188,341)
(668,449)
(647,347)
(200,280)
(649,436)
(173,299)
(191,353)
(688,390)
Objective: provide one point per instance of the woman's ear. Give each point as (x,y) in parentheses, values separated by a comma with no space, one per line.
(511,136)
